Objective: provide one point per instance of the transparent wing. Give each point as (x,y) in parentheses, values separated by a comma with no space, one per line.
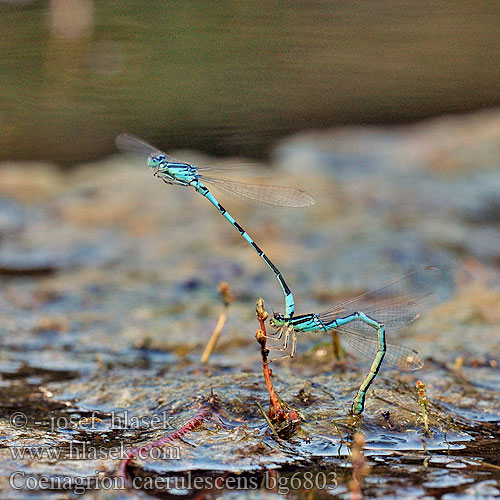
(243,168)
(396,356)
(127,143)
(271,195)
(395,304)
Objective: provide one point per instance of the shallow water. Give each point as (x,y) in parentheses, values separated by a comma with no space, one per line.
(109,295)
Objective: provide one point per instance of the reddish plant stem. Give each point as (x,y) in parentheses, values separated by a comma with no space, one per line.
(194,422)
(278,411)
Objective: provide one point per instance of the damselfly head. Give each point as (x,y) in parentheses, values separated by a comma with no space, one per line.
(155,160)
(277,320)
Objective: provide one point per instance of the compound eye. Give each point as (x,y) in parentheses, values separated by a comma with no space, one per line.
(153,161)
(278,316)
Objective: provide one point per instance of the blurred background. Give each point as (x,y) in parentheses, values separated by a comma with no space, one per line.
(232,77)
(387,112)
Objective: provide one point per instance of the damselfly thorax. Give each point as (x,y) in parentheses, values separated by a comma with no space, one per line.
(181,174)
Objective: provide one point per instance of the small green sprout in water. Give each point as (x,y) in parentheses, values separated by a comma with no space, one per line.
(268,420)
(360,467)
(227,299)
(423,402)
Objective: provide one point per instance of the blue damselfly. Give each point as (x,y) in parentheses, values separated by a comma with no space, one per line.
(176,172)
(364,320)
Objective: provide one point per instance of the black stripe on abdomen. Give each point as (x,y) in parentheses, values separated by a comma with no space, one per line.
(238,227)
(283,284)
(257,248)
(270,264)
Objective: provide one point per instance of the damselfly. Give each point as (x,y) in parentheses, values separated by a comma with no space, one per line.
(390,307)
(176,172)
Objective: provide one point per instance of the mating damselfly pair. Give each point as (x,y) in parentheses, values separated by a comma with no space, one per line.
(363,321)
